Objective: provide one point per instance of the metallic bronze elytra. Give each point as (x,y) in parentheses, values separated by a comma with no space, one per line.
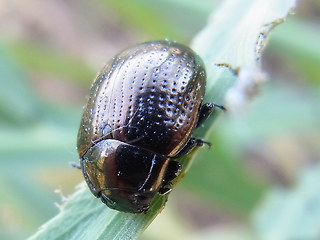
(142,109)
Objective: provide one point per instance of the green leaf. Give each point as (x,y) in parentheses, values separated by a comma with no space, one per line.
(291,213)
(18,104)
(166,18)
(50,62)
(84,217)
(230,38)
(135,13)
(298,48)
(233,40)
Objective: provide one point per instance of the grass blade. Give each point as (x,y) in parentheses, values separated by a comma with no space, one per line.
(234,43)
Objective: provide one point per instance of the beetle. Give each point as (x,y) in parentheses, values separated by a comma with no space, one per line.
(142,109)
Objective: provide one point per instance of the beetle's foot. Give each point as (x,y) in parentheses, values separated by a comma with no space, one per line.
(145,209)
(205,110)
(75,165)
(200,143)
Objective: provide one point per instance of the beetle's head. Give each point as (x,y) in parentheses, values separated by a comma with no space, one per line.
(124,176)
(126,200)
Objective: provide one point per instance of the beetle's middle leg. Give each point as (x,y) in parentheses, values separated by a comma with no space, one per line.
(190,145)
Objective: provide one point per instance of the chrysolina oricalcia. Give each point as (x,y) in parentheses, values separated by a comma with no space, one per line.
(142,109)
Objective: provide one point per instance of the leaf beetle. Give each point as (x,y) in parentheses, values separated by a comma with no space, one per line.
(141,111)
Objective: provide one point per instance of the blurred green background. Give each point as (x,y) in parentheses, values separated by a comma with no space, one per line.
(262,176)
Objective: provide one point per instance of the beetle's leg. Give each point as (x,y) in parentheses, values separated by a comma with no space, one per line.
(191,144)
(205,110)
(75,165)
(173,170)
